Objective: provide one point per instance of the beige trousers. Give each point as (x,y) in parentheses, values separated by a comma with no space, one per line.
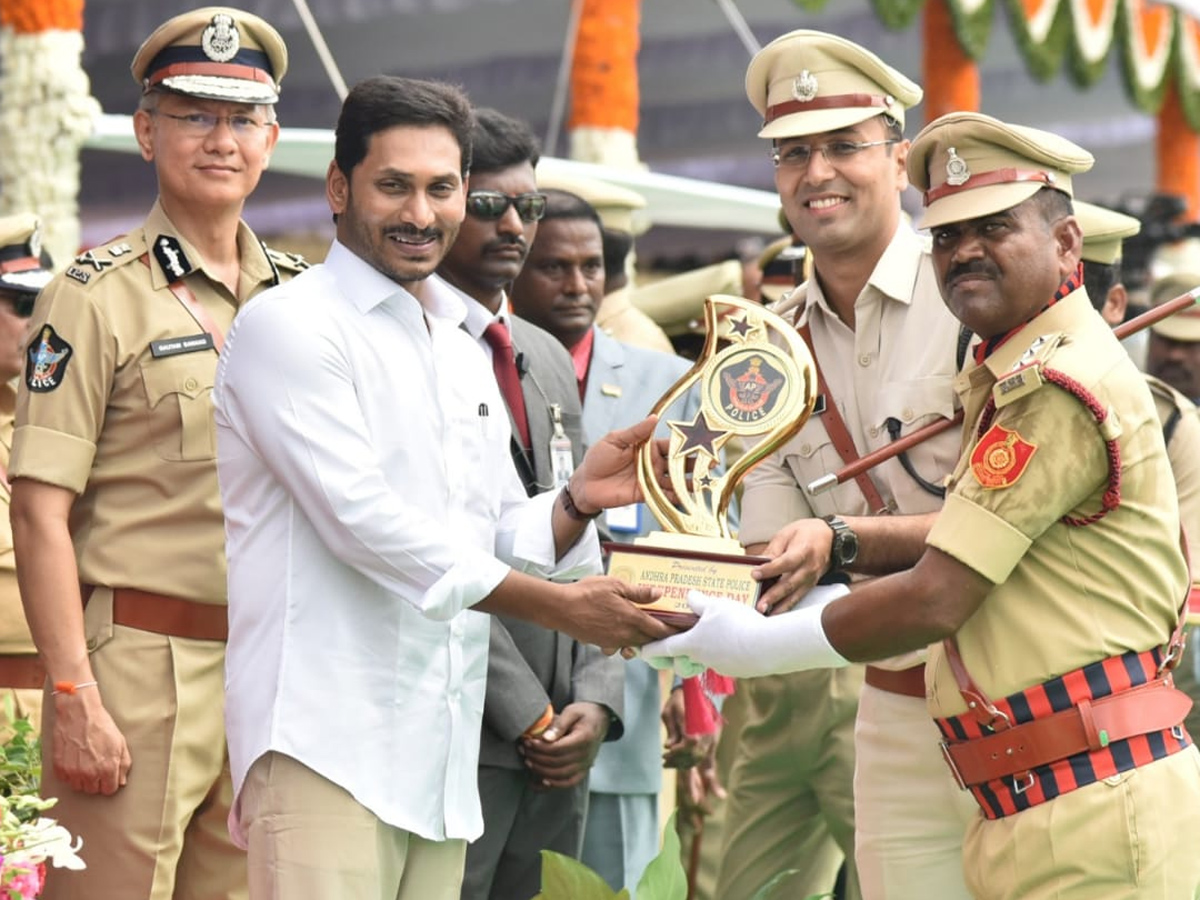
(310,840)
(1129,837)
(791,804)
(910,813)
(164,835)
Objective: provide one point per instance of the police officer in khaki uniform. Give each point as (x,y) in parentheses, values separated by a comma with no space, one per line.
(115,508)
(1053,578)
(886,347)
(24,270)
(1103,232)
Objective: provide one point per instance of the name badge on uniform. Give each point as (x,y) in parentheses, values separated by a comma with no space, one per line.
(624,519)
(192,343)
(562,460)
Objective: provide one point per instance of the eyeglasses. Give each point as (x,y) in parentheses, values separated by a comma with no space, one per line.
(491,205)
(798,156)
(200,124)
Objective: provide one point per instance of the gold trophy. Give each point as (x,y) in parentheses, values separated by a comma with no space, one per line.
(757,380)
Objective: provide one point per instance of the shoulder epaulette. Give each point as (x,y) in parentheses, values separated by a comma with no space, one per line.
(90,265)
(288,262)
(1026,375)
(1163,391)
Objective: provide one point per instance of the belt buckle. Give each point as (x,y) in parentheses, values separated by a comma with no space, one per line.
(945,747)
(1020,787)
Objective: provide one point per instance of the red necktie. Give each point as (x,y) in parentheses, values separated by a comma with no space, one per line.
(504,364)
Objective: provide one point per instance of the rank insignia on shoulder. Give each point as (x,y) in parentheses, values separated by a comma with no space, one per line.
(169,253)
(46,365)
(1018,383)
(1000,458)
(89,258)
(83,276)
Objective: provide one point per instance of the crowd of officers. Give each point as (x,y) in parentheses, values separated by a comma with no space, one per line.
(1059,502)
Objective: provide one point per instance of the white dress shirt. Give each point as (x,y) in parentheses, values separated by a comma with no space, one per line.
(363,455)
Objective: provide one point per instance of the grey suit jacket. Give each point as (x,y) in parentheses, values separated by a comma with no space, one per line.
(530,666)
(623,383)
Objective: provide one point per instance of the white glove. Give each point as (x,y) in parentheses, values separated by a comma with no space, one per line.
(736,640)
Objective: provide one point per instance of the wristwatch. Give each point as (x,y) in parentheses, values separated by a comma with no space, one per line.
(844,550)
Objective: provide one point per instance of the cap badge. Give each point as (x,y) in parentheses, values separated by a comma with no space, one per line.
(956,169)
(220,39)
(804,87)
(35,241)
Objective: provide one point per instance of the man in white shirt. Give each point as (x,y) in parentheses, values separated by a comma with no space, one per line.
(370,498)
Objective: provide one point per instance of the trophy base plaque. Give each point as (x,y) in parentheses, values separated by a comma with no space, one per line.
(678,563)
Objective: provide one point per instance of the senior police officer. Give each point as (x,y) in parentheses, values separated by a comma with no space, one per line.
(25,267)
(886,347)
(1053,577)
(115,502)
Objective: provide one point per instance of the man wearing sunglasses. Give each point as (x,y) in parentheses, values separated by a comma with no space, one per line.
(833,114)
(551,701)
(25,267)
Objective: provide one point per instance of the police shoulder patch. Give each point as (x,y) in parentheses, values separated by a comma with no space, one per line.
(46,361)
(1000,458)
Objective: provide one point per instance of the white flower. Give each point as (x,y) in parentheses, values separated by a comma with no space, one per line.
(45,839)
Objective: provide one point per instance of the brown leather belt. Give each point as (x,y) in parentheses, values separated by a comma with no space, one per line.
(909,682)
(172,616)
(1092,725)
(22,670)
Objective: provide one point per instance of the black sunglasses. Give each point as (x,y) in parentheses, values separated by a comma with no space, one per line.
(22,303)
(491,205)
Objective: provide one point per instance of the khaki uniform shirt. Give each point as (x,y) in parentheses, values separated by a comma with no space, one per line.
(622,321)
(1183,450)
(1064,596)
(898,362)
(14,633)
(125,419)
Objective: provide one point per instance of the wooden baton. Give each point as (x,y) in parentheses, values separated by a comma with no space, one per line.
(898,446)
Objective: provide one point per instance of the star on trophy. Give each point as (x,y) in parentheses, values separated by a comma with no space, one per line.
(758,384)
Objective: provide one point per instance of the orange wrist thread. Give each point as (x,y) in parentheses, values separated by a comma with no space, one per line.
(71,687)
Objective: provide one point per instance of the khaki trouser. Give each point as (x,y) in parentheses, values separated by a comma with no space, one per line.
(791,804)
(1129,837)
(910,813)
(310,840)
(163,836)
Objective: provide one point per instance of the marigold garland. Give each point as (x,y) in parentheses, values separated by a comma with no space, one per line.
(1177,152)
(35,16)
(604,85)
(950,77)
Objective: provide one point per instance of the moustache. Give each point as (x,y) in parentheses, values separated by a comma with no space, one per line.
(411,231)
(978,267)
(504,242)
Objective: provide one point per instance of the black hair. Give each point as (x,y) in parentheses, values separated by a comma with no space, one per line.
(617,245)
(386,101)
(565,205)
(1098,280)
(1053,204)
(499,141)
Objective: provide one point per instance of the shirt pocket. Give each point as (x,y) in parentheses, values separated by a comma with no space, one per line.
(915,404)
(179,414)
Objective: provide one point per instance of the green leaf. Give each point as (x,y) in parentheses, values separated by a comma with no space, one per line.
(564,878)
(775,889)
(664,878)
